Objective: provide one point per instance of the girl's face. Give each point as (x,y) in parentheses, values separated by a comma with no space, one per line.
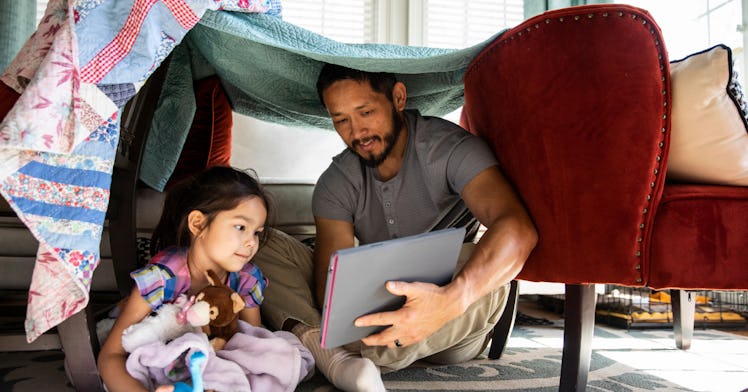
(232,239)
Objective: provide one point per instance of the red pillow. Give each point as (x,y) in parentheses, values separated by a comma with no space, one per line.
(8,98)
(209,139)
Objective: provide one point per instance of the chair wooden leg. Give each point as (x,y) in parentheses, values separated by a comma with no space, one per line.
(503,329)
(684,309)
(579,325)
(81,347)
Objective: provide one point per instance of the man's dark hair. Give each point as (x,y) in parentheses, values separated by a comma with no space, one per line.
(381,82)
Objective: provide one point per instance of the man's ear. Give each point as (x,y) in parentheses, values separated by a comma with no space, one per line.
(399,96)
(196,222)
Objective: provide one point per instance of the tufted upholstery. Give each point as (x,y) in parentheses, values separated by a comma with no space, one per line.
(575,103)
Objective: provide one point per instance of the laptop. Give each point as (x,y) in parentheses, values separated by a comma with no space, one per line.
(356,279)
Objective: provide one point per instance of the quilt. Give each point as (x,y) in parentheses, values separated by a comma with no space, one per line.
(273,78)
(58,142)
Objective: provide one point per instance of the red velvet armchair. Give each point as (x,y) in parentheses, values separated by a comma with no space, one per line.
(576,105)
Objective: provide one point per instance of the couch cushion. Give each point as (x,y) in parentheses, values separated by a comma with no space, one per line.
(292,203)
(709,142)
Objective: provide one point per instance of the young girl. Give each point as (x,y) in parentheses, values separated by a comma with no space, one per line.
(213,221)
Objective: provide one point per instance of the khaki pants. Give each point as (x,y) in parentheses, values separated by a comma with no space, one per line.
(287,263)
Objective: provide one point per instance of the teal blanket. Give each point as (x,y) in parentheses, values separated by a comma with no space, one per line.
(269,69)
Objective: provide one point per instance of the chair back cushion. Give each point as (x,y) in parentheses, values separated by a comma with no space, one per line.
(574,103)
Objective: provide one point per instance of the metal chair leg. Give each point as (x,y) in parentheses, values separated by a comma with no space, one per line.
(684,309)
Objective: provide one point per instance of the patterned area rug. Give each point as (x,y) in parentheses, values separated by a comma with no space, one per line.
(631,361)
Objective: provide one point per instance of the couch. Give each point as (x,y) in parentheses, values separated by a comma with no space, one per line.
(576,104)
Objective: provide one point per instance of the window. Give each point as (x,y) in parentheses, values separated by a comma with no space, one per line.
(342,20)
(698,25)
(434,23)
(41,6)
(459,24)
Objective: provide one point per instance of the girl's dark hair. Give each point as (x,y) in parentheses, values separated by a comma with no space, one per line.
(216,189)
(381,82)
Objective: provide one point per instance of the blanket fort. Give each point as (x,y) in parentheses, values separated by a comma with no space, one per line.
(86,59)
(89,57)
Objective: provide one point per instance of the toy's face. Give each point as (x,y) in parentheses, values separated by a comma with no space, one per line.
(224,303)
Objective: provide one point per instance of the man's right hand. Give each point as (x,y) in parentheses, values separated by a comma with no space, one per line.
(332,235)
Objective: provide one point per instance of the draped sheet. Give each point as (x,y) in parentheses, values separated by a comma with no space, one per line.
(58,142)
(273,77)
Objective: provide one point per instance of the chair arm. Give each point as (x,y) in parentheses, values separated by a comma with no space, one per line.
(575,104)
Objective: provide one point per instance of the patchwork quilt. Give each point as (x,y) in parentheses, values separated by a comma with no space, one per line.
(58,142)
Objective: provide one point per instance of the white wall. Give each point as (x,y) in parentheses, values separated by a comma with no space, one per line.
(276,151)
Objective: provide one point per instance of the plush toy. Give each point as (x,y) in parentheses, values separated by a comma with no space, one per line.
(196,360)
(166,324)
(214,311)
(224,307)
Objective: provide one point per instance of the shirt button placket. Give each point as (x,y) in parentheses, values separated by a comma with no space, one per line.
(389,213)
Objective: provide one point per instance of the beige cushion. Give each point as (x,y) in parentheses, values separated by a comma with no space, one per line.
(709,143)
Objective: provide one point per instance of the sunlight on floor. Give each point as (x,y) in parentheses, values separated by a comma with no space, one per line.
(710,365)
(717,360)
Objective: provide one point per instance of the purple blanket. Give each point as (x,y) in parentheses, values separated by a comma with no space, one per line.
(255,359)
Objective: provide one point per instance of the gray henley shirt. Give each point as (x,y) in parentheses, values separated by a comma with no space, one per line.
(440,159)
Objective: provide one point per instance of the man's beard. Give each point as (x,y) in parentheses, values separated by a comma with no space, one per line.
(390,139)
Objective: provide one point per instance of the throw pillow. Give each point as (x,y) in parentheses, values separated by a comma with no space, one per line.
(208,141)
(709,140)
(8,98)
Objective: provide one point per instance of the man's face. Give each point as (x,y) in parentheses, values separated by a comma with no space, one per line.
(366,120)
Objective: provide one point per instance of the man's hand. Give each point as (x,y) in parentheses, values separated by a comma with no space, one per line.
(427,308)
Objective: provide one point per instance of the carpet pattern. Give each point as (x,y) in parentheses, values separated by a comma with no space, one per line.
(622,361)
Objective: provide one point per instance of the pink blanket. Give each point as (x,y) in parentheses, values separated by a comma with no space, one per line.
(255,359)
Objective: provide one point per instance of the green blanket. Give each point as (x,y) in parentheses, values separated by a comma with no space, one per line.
(269,69)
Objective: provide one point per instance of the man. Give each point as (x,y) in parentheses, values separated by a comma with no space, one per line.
(404,174)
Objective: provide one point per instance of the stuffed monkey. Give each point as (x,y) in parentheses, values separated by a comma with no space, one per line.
(225,305)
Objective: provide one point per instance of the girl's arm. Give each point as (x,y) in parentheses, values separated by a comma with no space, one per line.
(112,357)
(251,315)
